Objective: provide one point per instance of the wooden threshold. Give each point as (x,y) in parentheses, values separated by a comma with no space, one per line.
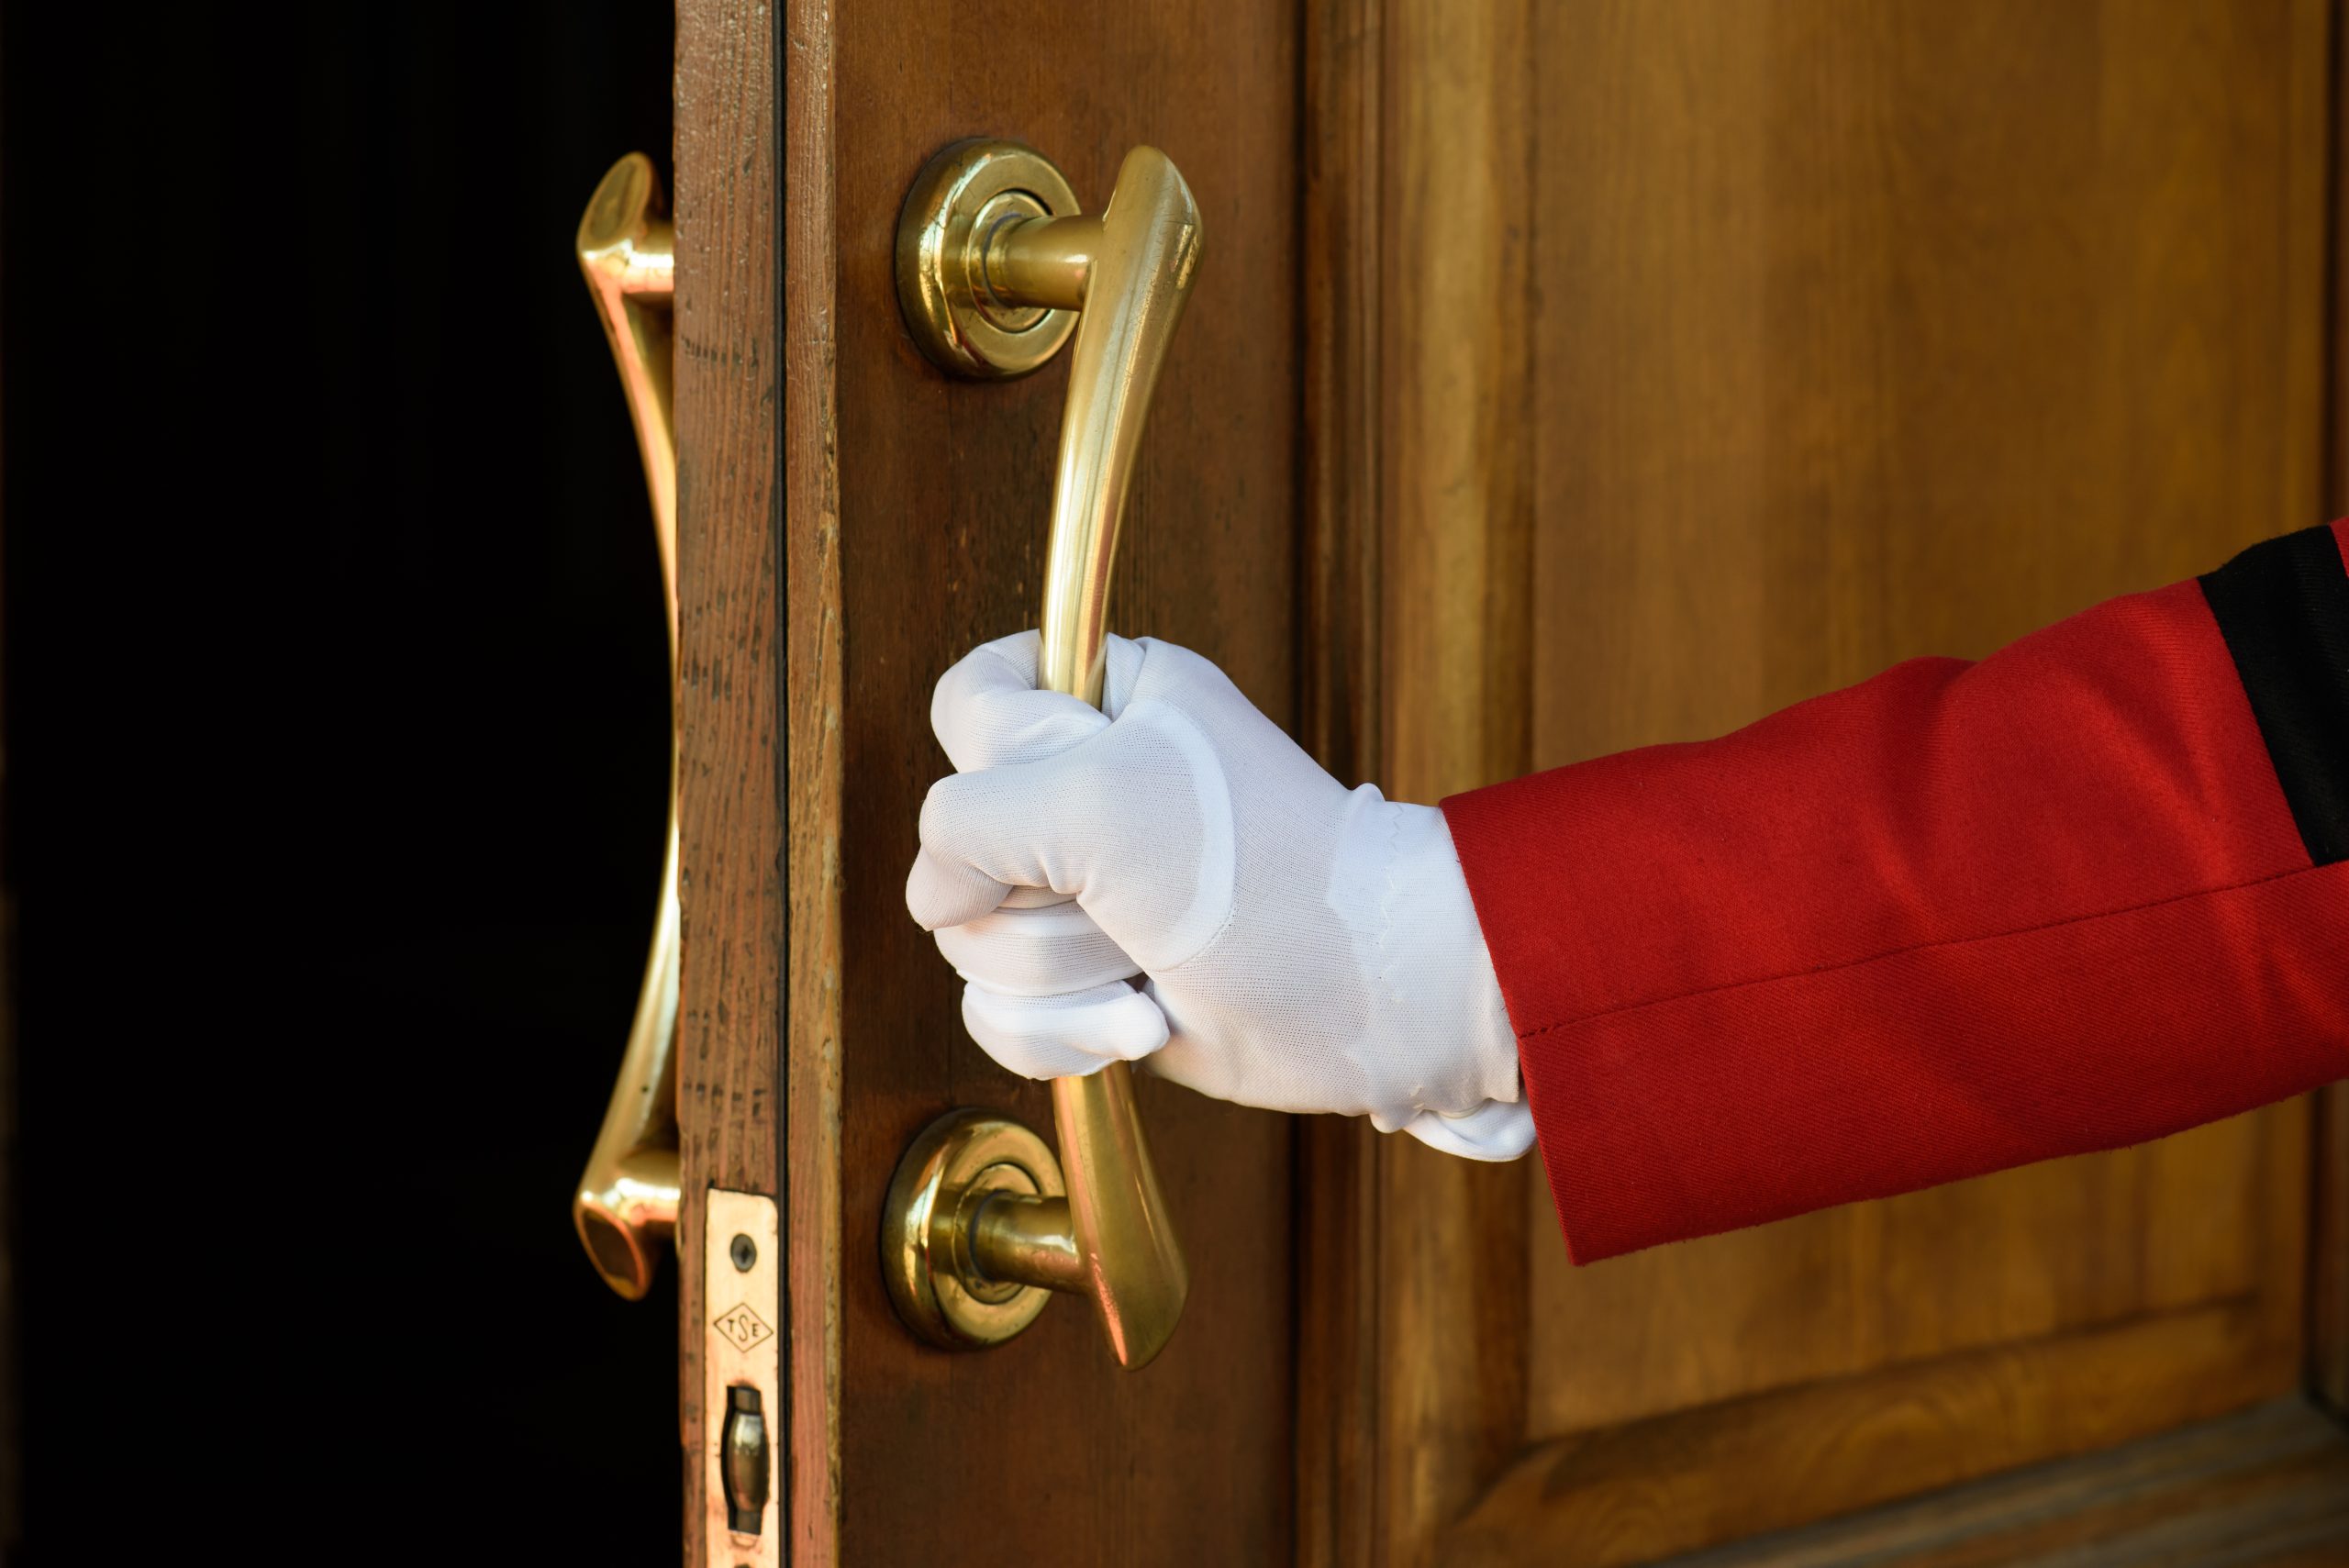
(2264,1488)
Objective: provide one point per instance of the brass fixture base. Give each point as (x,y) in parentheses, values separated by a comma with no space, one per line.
(963,202)
(965,1161)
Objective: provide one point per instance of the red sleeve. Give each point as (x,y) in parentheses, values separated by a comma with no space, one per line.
(2088,891)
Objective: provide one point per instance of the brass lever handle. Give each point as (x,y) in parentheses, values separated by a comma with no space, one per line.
(626,1208)
(993,267)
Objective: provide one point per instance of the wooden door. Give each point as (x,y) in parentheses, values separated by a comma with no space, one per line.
(1559,378)
(1729,354)
(851,522)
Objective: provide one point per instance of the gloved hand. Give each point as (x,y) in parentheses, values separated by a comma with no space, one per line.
(1308,947)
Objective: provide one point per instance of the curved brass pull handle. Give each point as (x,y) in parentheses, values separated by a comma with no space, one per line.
(625,1208)
(992,259)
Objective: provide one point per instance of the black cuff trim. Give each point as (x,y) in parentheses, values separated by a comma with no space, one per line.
(2283,607)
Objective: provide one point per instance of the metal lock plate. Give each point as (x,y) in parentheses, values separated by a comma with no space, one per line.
(741,1380)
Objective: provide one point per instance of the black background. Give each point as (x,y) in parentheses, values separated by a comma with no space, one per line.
(335,711)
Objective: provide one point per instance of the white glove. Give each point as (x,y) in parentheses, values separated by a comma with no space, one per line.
(1308,947)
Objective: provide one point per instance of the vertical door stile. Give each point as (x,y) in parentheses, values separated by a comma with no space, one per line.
(731,1025)
(810,524)
(1339,1236)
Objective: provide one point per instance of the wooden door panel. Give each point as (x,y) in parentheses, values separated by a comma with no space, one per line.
(1043,1451)
(2022,1256)
(1836,368)
(1849,333)
(820,1031)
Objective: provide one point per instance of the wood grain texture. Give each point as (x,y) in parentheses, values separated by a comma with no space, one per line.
(943,494)
(1839,370)
(2329,1234)
(1635,1493)
(1844,333)
(1340,1377)
(1339,706)
(813,635)
(1454,682)
(2329,1255)
(2261,1489)
(2211,1215)
(730,1031)
(1339,710)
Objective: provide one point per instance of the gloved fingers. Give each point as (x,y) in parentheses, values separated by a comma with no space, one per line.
(1048,951)
(1215,1071)
(1122,669)
(1066,1036)
(941,893)
(987,712)
(998,829)
(1036,898)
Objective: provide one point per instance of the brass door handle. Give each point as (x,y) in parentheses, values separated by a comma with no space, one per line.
(994,269)
(626,1208)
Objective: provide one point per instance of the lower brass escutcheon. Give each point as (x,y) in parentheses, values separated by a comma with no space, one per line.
(976,1205)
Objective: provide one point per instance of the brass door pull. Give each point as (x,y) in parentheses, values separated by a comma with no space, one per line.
(995,269)
(625,1208)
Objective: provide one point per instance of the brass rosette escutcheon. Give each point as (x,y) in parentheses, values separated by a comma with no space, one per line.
(974,1200)
(959,207)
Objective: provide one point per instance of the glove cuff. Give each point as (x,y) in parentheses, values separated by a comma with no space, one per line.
(1441,1034)
(1489,1042)
(1496,1132)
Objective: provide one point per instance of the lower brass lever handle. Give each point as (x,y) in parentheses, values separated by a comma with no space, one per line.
(626,1208)
(994,267)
